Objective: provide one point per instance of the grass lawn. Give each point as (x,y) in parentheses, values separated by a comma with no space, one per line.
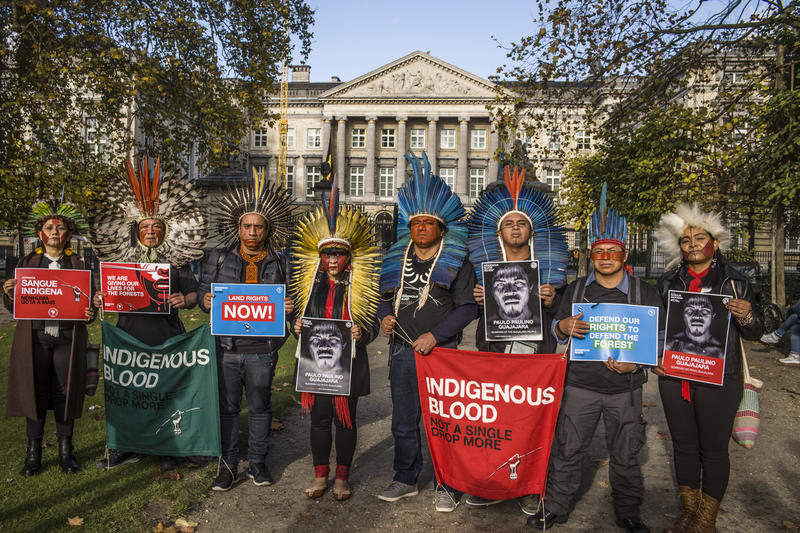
(116,500)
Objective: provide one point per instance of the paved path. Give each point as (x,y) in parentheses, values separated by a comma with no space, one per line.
(764,490)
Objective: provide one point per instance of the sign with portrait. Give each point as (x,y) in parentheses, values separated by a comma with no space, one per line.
(248,310)
(324,364)
(45,294)
(135,287)
(490,418)
(623,332)
(697,336)
(511,304)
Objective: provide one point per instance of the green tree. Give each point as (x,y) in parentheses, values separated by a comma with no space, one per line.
(78,78)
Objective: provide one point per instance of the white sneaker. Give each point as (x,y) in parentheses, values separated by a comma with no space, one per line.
(770,338)
(792,359)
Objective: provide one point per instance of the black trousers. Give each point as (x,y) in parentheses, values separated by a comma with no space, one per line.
(322,414)
(701,430)
(50,372)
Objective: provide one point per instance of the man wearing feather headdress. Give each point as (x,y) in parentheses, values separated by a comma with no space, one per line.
(612,389)
(151,216)
(513,221)
(254,222)
(335,275)
(426,301)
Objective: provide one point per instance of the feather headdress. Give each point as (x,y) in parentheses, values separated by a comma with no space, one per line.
(607,225)
(673,225)
(428,195)
(548,242)
(44,210)
(136,196)
(332,225)
(260,197)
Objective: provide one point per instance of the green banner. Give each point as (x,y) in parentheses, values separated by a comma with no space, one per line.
(161,400)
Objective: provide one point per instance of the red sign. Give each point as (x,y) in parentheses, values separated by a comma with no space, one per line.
(45,294)
(238,310)
(694,367)
(135,287)
(490,418)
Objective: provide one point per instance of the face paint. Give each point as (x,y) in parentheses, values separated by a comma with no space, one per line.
(151,232)
(54,233)
(691,240)
(334,261)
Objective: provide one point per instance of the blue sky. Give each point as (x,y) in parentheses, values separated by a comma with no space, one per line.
(353,37)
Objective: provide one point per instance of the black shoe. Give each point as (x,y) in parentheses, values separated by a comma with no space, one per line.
(33,458)
(260,475)
(65,456)
(633,525)
(117,458)
(545,520)
(166,462)
(224,480)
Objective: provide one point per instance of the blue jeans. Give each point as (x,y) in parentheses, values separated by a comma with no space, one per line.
(254,371)
(406,414)
(792,325)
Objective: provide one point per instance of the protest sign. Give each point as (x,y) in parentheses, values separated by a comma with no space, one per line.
(161,400)
(697,336)
(248,309)
(512,306)
(58,294)
(625,333)
(326,352)
(490,436)
(135,287)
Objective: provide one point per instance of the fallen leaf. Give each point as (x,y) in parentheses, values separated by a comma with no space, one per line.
(171,475)
(281,367)
(158,528)
(645,404)
(45,444)
(603,484)
(791,525)
(284,384)
(171,529)
(93,407)
(75,521)
(277,425)
(277,389)
(185,526)
(380,352)
(662,435)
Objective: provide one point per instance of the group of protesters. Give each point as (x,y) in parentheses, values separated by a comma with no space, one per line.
(421,294)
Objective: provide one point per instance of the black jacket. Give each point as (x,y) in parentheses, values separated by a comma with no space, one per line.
(719,279)
(225,266)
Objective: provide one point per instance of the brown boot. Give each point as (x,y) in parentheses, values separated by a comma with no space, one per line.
(706,518)
(689,499)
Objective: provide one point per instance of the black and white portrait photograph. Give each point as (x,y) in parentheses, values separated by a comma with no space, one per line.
(324,365)
(512,305)
(697,324)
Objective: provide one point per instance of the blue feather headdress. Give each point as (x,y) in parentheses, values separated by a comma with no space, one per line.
(426,195)
(548,242)
(608,225)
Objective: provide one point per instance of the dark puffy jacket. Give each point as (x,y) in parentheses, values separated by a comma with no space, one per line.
(225,266)
(719,279)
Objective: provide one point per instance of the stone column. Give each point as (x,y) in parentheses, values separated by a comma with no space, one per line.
(462,172)
(370,174)
(326,135)
(400,170)
(300,179)
(341,134)
(433,141)
(494,142)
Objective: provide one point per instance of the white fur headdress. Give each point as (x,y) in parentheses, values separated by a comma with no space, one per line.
(672,226)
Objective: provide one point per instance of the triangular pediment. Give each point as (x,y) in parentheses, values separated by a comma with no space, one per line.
(417,75)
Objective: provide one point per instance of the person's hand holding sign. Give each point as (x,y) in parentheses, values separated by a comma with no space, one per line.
(477,293)
(207,300)
(548,294)
(572,325)
(177,300)
(8,288)
(618,367)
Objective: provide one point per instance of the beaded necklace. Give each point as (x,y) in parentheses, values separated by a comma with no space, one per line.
(251,271)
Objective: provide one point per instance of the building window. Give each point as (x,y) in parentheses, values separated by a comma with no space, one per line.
(290,145)
(356,181)
(260,138)
(95,139)
(314,139)
(449,177)
(387,138)
(792,243)
(417,138)
(583,140)
(552,177)
(477,181)
(478,140)
(358,138)
(289,185)
(554,140)
(313,176)
(386,183)
(522,137)
(448,139)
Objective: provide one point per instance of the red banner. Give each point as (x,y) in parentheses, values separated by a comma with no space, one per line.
(44,294)
(490,418)
(135,287)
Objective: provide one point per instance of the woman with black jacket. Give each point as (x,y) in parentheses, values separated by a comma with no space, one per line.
(700,416)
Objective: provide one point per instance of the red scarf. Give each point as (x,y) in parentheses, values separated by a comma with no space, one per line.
(696,285)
